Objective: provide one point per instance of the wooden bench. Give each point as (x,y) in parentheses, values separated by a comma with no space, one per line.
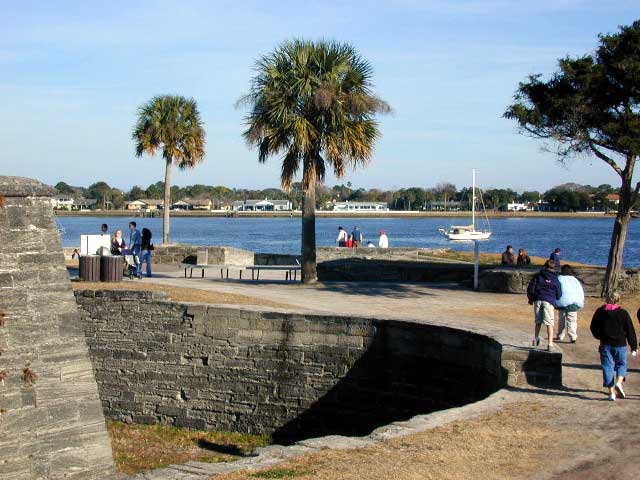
(223,268)
(290,270)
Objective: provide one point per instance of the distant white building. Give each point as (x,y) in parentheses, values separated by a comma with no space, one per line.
(63,202)
(519,207)
(360,207)
(262,205)
(145,204)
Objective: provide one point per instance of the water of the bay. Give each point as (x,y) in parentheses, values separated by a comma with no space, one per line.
(584,240)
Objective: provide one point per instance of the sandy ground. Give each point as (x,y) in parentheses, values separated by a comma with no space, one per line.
(568,433)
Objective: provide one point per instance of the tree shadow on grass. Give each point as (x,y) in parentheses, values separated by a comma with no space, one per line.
(220,448)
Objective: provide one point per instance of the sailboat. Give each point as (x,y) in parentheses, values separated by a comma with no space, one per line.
(467,232)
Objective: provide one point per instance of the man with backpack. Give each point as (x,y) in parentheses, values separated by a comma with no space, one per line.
(543,292)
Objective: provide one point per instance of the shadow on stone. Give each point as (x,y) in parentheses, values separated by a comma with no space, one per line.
(403,373)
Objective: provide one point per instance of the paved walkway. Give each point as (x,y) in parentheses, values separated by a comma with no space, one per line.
(610,429)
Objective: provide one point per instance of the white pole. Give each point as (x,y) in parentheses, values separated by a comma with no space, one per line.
(473,200)
(476,263)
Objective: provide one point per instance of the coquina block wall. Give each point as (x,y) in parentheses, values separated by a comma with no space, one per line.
(290,375)
(51,420)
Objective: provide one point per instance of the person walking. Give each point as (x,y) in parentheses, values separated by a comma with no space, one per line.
(357,237)
(555,256)
(342,237)
(507,257)
(523,258)
(383,241)
(570,302)
(543,292)
(135,239)
(612,325)
(145,252)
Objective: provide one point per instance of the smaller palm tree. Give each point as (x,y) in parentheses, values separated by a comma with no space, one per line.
(170,123)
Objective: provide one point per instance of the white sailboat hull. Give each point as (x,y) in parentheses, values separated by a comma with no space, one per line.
(466,236)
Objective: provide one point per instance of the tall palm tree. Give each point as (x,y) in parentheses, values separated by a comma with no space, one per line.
(170,123)
(312,103)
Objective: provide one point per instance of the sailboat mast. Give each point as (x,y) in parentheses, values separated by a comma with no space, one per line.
(473,199)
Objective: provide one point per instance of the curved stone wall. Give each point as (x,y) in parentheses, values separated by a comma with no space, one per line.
(290,375)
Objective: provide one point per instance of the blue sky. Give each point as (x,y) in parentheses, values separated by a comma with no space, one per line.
(72,75)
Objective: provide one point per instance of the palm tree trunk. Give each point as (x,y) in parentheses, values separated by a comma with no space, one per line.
(167,202)
(614,264)
(309,274)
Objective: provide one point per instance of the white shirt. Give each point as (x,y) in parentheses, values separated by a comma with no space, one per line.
(342,236)
(383,242)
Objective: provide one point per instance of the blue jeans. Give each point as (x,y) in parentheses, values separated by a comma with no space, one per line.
(614,362)
(145,256)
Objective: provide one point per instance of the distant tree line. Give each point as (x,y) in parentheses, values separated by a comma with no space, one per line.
(564,198)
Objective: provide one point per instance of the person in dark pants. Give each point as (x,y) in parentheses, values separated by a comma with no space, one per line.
(145,252)
(507,257)
(612,325)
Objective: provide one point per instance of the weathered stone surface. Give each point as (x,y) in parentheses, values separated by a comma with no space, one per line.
(515,280)
(24,187)
(291,375)
(51,425)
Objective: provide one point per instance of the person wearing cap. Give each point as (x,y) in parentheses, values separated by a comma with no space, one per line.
(612,325)
(543,292)
(383,241)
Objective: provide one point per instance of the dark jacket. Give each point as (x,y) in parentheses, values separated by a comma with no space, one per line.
(508,258)
(614,328)
(524,260)
(544,287)
(117,247)
(146,239)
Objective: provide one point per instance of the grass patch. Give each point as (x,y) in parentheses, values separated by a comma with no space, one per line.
(145,447)
(515,442)
(179,294)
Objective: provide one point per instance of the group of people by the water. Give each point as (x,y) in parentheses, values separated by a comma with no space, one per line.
(611,324)
(522,260)
(355,239)
(139,246)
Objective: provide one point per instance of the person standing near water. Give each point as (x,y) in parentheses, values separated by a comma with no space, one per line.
(357,237)
(612,325)
(342,237)
(555,256)
(543,292)
(570,302)
(383,241)
(145,252)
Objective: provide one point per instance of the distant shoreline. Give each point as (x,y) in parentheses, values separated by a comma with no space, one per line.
(329,214)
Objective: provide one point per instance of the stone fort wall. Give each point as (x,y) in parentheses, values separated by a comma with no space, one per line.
(290,375)
(51,420)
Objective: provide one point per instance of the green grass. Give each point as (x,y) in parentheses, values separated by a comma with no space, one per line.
(145,447)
